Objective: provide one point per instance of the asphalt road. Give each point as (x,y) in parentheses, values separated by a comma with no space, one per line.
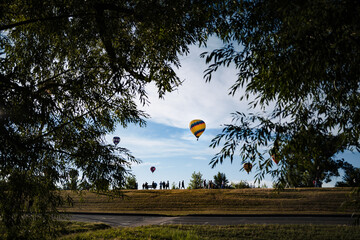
(142,220)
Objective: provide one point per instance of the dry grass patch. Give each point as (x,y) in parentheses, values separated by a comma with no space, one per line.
(215,201)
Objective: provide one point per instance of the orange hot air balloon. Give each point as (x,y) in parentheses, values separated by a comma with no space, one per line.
(197,127)
(247,166)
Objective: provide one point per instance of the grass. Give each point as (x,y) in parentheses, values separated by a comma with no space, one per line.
(67,228)
(204,201)
(225,232)
(71,227)
(215,201)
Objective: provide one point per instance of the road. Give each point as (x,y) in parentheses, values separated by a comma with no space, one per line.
(142,220)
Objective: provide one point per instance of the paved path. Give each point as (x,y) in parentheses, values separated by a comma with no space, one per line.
(141,220)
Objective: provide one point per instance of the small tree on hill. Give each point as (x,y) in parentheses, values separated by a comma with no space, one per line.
(196,180)
(131,182)
(220,180)
(240,185)
(72,184)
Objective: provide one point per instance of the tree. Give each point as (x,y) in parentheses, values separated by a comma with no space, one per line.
(298,60)
(196,180)
(220,180)
(72,183)
(131,182)
(306,155)
(351,177)
(240,185)
(70,72)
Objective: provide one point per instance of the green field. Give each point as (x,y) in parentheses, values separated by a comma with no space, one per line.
(204,201)
(215,201)
(219,201)
(278,232)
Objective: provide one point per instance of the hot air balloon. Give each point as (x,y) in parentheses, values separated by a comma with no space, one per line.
(152,169)
(116,140)
(247,167)
(275,159)
(197,127)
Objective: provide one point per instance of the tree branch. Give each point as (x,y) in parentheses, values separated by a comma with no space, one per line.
(72,120)
(29,21)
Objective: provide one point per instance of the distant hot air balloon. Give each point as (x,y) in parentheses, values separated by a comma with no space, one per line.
(152,169)
(275,159)
(197,127)
(116,140)
(247,166)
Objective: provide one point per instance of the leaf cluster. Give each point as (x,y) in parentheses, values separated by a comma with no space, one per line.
(300,60)
(196,180)
(70,72)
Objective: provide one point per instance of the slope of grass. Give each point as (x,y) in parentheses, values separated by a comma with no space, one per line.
(215,201)
(225,232)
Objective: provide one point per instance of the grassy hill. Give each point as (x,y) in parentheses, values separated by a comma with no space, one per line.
(215,201)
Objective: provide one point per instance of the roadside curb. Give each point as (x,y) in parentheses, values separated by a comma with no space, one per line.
(210,215)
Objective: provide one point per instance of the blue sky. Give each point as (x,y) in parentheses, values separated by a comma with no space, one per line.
(167,143)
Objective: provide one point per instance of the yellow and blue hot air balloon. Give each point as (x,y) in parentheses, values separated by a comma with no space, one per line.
(197,127)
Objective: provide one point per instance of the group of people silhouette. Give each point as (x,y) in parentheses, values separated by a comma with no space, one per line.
(163,185)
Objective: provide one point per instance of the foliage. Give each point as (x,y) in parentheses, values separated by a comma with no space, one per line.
(298,60)
(307,156)
(72,182)
(196,180)
(70,72)
(71,227)
(220,180)
(131,182)
(351,177)
(240,185)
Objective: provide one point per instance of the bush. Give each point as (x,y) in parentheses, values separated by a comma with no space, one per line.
(240,185)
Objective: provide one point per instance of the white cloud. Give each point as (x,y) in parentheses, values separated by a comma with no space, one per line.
(148,147)
(196,99)
(200,158)
(146,164)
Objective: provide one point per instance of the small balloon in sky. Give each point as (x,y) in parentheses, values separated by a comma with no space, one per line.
(276,160)
(197,127)
(247,166)
(116,140)
(152,169)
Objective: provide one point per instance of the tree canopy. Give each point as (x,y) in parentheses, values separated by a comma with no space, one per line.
(298,61)
(220,180)
(351,177)
(196,180)
(71,71)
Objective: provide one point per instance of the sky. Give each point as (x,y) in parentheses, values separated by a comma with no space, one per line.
(167,142)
